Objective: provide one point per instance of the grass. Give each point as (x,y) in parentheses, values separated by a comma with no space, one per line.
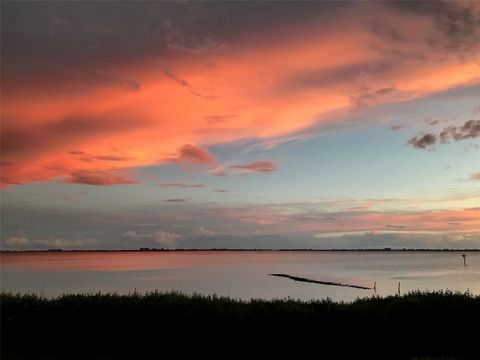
(421,325)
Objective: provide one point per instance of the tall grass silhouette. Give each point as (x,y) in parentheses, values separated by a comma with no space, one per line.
(154,324)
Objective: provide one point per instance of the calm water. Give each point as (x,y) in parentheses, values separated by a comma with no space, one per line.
(239,274)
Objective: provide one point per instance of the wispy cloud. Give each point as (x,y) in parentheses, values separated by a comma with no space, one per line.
(176,200)
(169,73)
(181,186)
(264,167)
(91,158)
(365,96)
(98,178)
(259,167)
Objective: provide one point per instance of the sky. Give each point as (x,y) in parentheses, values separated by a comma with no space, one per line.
(240,125)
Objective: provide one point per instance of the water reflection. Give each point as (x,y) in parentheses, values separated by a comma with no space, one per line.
(241,274)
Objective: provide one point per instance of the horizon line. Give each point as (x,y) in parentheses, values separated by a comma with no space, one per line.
(236,249)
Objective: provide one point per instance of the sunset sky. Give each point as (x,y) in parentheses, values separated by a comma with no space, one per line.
(240,125)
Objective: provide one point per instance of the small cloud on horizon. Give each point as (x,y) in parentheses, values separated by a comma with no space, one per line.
(181,185)
(177,200)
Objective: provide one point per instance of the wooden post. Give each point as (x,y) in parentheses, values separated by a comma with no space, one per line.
(464,260)
(399,288)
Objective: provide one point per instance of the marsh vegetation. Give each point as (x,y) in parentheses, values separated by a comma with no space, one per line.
(418,324)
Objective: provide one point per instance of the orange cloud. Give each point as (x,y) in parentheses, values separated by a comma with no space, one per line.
(191,154)
(212,94)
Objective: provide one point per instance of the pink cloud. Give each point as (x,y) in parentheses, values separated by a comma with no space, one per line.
(264,167)
(475,176)
(219,171)
(291,218)
(192,154)
(174,104)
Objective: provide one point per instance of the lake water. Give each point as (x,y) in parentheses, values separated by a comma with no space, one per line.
(239,274)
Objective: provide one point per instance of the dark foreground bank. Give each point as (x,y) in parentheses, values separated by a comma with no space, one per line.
(417,325)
